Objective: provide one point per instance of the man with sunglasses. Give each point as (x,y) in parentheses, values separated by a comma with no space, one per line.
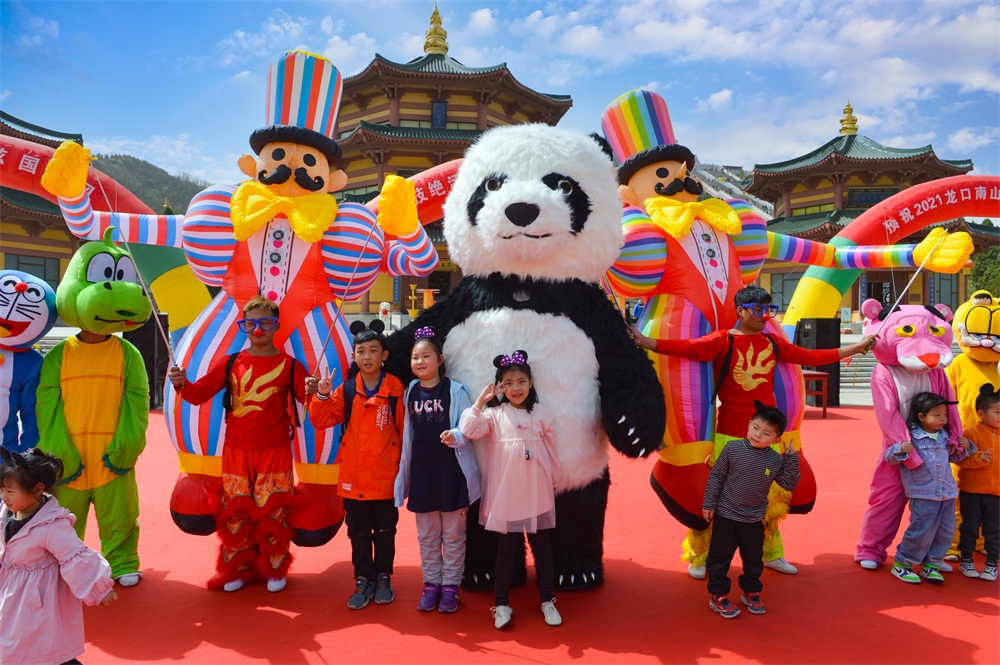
(262,385)
(744,359)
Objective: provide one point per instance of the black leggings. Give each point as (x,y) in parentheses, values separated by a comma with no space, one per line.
(541,551)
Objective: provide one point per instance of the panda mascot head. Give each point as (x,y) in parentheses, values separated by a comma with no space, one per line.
(534,201)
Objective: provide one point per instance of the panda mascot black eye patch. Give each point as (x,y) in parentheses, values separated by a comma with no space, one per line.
(491,183)
(534,222)
(578,200)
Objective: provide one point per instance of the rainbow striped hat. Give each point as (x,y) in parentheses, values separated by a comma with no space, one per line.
(637,126)
(303,100)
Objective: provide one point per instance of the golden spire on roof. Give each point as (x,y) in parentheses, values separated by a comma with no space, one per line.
(849,123)
(436,35)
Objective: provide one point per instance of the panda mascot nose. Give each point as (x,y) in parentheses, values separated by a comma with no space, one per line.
(522,214)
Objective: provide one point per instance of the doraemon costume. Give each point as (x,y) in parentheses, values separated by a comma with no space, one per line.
(27,313)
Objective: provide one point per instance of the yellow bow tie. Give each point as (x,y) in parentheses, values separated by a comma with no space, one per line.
(254,205)
(676,217)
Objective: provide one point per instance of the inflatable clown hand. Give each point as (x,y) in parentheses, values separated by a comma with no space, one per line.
(66,173)
(952,253)
(397,207)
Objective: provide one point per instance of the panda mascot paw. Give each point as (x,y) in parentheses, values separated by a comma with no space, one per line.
(534,222)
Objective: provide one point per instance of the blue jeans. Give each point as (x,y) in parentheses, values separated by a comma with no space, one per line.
(930,533)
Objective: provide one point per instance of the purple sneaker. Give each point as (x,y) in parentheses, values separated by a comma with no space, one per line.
(432,592)
(449,598)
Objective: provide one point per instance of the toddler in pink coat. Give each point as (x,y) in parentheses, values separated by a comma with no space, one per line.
(46,572)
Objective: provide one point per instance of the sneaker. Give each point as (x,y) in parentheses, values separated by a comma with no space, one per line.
(753,603)
(989,573)
(428,601)
(724,606)
(501,615)
(968,568)
(383,590)
(905,573)
(362,594)
(953,558)
(869,564)
(232,585)
(781,566)
(697,572)
(552,616)
(945,568)
(449,598)
(129,579)
(931,573)
(276,585)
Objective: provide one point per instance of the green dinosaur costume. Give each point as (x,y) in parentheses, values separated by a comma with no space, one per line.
(93,398)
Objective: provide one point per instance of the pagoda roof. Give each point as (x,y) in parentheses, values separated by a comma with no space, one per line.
(438,66)
(367,132)
(29,203)
(810,224)
(22,129)
(851,149)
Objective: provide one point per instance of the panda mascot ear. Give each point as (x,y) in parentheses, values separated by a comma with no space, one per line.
(377,325)
(358,326)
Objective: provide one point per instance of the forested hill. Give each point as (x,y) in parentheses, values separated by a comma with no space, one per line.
(150,183)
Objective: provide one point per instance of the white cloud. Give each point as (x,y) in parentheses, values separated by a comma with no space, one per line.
(4,95)
(481,23)
(968,139)
(43,27)
(716,100)
(275,35)
(909,140)
(350,55)
(174,154)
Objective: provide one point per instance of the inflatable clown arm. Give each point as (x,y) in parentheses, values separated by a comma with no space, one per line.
(65,175)
(130,437)
(88,224)
(635,273)
(353,251)
(413,255)
(53,433)
(951,254)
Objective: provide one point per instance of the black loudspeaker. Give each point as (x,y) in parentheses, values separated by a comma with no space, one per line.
(822,334)
(155,355)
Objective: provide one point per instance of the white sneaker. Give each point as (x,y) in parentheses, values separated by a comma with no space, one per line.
(129,579)
(781,566)
(233,585)
(952,558)
(945,568)
(552,616)
(868,564)
(697,572)
(989,573)
(274,586)
(502,615)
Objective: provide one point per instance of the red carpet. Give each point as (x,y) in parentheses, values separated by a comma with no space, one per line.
(649,611)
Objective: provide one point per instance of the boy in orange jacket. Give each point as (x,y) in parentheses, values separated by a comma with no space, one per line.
(369,402)
(979,487)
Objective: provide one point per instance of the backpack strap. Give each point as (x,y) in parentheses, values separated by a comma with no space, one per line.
(227,395)
(727,361)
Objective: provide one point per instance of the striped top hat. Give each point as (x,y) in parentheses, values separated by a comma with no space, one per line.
(637,126)
(303,99)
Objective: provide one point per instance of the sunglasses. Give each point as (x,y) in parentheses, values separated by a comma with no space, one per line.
(266,323)
(758,309)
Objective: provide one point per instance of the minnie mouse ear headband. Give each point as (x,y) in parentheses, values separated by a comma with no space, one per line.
(987,389)
(375,326)
(13,457)
(519,357)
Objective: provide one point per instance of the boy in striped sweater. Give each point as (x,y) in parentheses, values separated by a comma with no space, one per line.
(735,502)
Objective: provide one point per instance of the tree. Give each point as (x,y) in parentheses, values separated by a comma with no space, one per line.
(985,272)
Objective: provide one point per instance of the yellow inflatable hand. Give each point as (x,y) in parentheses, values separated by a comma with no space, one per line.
(66,173)
(952,253)
(397,207)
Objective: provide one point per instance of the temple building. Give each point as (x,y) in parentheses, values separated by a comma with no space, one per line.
(816,195)
(404,118)
(35,237)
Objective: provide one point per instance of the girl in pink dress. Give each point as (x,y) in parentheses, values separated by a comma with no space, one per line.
(46,572)
(520,470)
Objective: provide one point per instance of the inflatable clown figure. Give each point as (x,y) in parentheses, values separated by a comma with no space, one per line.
(282,235)
(27,313)
(687,259)
(93,400)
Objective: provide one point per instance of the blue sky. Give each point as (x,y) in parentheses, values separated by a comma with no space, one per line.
(181,84)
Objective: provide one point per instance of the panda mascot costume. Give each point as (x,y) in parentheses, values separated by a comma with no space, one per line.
(534,222)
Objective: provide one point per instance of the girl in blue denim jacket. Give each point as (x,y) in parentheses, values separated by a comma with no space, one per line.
(930,487)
